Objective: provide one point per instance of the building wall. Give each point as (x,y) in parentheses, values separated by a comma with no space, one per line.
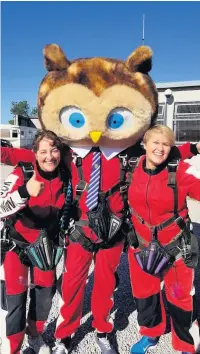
(27,135)
(18,136)
(186,122)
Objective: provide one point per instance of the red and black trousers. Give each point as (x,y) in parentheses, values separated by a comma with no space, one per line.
(42,290)
(146,289)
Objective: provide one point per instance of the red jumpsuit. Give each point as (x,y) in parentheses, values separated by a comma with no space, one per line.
(153,201)
(78,260)
(37,212)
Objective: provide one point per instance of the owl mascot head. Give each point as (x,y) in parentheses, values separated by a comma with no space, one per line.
(101,102)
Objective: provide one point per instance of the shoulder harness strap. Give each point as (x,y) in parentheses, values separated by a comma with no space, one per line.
(82,185)
(27,169)
(172,168)
(127,167)
(133,163)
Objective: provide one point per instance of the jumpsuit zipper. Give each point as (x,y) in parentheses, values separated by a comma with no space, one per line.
(50,200)
(147,198)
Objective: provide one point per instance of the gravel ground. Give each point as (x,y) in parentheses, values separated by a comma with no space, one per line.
(124,313)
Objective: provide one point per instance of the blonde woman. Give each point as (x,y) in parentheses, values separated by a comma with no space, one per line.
(157,197)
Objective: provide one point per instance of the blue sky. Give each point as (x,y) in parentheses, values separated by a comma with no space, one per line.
(111,29)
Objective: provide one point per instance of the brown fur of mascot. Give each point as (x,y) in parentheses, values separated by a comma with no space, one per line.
(97,88)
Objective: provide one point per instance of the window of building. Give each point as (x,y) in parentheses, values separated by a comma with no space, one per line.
(161,114)
(14,134)
(22,133)
(186,121)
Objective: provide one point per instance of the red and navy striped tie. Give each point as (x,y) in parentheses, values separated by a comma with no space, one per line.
(93,191)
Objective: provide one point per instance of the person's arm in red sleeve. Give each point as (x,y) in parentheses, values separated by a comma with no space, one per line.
(188,150)
(12,156)
(13,195)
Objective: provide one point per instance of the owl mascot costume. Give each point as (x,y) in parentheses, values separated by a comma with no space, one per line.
(101,108)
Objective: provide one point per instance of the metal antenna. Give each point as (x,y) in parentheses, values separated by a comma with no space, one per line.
(143,22)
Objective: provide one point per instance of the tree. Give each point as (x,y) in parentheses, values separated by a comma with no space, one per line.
(21,108)
(34,112)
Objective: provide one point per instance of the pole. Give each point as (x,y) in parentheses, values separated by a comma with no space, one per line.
(143,23)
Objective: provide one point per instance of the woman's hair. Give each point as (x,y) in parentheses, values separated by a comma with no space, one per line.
(48,134)
(162,129)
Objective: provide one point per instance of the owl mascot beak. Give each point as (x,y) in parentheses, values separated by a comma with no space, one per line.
(95,136)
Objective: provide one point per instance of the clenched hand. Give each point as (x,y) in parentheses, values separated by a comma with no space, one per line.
(34,187)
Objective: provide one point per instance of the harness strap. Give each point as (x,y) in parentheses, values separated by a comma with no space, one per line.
(172,167)
(78,236)
(175,218)
(112,190)
(18,239)
(172,248)
(80,188)
(127,168)
(82,222)
(82,185)
(27,169)
(78,162)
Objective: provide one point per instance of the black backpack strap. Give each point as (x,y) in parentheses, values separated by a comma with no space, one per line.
(172,168)
(127,167)
(82,185)
(27,169)
(123,158)
(122,183)
(124,168)
(133,163)
(78,236)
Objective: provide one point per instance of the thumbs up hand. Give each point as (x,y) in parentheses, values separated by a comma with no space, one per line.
(34,187)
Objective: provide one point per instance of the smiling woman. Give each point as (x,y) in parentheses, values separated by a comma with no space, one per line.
(38,243)
(167,251)
(157,143)
(47,147)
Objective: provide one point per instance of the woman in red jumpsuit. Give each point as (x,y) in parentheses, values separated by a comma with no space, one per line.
(152,203)
(39,201)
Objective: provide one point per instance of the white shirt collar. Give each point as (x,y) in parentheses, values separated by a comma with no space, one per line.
(108,153)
